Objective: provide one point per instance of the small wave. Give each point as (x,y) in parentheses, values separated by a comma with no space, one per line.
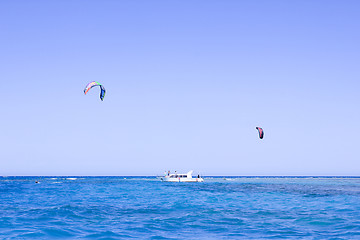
(71,178)
(229,179)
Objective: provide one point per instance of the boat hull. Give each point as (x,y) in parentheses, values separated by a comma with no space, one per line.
(167,179)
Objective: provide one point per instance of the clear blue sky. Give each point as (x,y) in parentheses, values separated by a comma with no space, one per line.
(187,83)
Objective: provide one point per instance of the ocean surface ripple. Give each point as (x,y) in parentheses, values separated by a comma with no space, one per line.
(146,208)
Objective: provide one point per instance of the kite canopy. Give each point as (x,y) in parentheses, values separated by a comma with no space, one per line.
(261,132)
(93,84)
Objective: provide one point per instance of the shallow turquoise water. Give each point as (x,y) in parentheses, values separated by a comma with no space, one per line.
(146,208)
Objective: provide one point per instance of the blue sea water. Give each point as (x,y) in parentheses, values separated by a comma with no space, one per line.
(146,208)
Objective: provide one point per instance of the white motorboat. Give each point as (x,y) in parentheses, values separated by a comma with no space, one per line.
(175,177)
